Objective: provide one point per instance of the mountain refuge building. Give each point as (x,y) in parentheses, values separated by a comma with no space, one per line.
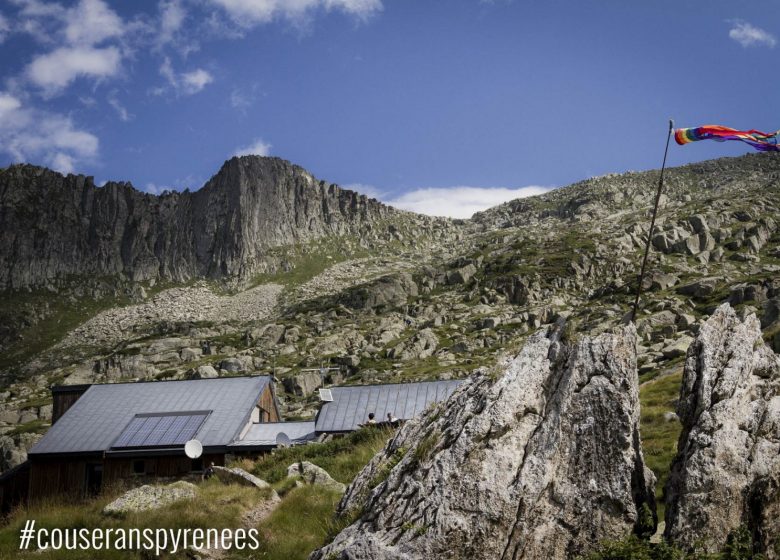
(102,434)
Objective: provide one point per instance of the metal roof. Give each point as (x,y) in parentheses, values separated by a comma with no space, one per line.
(96,420)
(351,405)
(264,434)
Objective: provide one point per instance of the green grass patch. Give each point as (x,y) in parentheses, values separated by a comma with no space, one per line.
(61,316)
(384,470)
(425,448)
(300,524)
(659,436)
(738,545)
(771,333)
(304,262)
(305,519)
(36,402)
(342,457)
(216,506)
(33,427)
(542,260)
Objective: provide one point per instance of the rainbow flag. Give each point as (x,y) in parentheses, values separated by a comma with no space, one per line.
(765,142)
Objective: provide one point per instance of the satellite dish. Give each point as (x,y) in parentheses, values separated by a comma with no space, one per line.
(193,449)
(283,440)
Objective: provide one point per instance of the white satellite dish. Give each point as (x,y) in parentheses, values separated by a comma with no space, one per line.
(193,449)
(283,440)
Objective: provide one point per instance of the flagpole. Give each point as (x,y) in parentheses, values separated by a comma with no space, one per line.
(652,223)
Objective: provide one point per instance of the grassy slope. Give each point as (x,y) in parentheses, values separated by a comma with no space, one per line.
(659,436)
(342,458)
(63,316)
(216,506)
(302,522)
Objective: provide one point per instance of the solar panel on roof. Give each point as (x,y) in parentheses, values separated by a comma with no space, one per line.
(158,430)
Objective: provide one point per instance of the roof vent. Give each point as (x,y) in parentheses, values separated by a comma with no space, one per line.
(326,395)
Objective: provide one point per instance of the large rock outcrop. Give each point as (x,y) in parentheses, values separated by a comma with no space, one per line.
(149,497)
(55,226)
(727,471)
(543,463)
(385,292)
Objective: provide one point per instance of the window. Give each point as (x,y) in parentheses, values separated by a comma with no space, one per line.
(139,466)
(260,415)
(197,465)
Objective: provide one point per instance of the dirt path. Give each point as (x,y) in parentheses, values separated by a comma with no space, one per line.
(249,520)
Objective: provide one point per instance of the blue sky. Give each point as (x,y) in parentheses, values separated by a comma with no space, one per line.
(443,106)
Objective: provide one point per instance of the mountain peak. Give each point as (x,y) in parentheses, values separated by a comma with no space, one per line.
(223,230)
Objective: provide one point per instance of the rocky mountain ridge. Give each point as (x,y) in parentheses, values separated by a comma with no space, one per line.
(56,227)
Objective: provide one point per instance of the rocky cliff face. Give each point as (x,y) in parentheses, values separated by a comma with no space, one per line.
(543,463)
(54,226)
(727,471)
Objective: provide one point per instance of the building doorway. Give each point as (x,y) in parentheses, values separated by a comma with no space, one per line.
(94,480)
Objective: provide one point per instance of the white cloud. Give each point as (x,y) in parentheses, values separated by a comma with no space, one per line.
(166,71)
(124,114)
(748,35)
(193,82)
(8,104)
(88,22)
(5,28)
(170,30)
(250,12)
(55,70)
(172,16)
(187,83)
(36,8)
(62,163)
(460,202)
(256,148)
(35,29)
(91,22)
(369,190)
(28,134)
(187,183)
(75,33)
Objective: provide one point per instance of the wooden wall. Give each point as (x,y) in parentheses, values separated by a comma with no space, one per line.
(115,470)
(68,477)
(14,486)
(61,477)
(268,404)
